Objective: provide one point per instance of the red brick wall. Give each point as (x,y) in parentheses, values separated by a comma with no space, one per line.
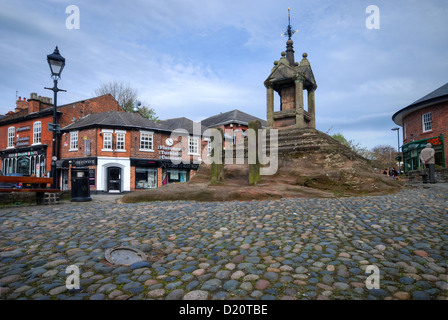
(90,134)
(239,134)
(414,125)
(85,107)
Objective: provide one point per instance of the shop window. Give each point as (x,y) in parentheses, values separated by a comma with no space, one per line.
(427,122)
(92,177)
(23,165)
(11,133)
(145,178)
(37,132)
(170,176)
(73,141)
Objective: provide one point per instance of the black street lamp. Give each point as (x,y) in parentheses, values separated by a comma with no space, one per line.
(56,63)
(398,147)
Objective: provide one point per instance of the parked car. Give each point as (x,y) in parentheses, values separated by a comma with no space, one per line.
(9,185)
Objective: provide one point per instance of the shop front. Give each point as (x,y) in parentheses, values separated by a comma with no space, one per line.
(113,175)
(412,150)
(151,174)
(30,161)
(172,172)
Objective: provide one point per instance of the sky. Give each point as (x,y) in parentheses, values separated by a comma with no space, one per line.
(197,58)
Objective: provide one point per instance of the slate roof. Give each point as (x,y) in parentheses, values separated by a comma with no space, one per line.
(440,92)
(234,116)
(113,119)
(117,119)
(180,123)
(438,95)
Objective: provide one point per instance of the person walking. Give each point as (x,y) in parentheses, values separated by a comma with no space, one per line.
(428,160)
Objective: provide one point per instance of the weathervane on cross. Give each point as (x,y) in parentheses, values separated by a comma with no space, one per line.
(289,32)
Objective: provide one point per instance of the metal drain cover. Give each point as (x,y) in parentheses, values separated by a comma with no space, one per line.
(124,255)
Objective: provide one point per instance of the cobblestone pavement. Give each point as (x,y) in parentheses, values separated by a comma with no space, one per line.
(283,249)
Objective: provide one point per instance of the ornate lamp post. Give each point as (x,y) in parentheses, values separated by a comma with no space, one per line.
(56,63)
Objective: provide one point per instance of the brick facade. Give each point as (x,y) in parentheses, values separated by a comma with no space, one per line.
(74,111)
(132,163)
(37,109)
(413,125)
(156,159)
(24,138)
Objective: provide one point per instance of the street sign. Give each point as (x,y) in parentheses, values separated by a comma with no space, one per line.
(51,127)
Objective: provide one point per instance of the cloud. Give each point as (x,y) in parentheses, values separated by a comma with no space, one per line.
(198,58)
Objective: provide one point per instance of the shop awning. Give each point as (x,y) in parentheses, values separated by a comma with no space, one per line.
(63,163)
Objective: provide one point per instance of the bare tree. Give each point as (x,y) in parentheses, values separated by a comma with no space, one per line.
(126,96)
(383,156)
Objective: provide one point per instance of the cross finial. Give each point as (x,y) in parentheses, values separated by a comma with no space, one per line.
(289,31)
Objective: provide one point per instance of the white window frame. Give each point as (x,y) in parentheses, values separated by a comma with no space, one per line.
(192,148)
(11,136)
(151,141)
(405,133)
(107,133)
(37,135)
(74,139)
(118,134)
(427,122)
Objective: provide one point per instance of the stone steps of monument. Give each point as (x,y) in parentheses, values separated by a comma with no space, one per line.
(300,139)
(307,140)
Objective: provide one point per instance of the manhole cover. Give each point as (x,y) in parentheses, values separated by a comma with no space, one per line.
(124,255)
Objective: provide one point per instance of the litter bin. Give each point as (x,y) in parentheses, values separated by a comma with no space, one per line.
(80,185)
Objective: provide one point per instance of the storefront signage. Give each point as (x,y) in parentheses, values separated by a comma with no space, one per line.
(181,166)
(435,141)
(169,153)
(84,162)
(21,154)
(23,129)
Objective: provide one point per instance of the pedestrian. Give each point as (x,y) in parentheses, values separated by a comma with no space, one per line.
(428,160)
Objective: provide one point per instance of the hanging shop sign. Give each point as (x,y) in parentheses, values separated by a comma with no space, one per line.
(20,129)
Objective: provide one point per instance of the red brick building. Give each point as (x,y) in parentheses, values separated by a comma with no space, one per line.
(125,151)
(425,120)
(25,139)
(233,123)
